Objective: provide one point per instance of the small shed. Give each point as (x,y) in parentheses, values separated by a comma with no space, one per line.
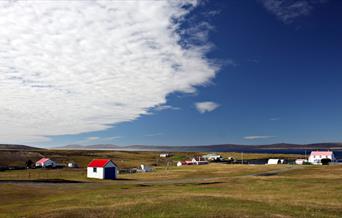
(45,163)
(276,161)
(301,161)
(102,169)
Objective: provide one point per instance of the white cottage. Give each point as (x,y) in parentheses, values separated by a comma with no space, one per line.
(102,169)
(317,156)
(45,162)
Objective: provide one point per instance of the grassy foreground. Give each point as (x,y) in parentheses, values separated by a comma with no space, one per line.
(214,190)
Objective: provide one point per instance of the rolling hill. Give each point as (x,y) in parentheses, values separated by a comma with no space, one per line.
(207,148)
(17,147)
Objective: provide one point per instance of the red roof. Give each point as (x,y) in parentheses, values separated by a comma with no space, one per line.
(325,153)
(43,160)
(99,163)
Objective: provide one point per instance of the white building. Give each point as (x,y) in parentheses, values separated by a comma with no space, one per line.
(102,169)
(164,155)
(145,169)
(301,161)
(212,157)
(317,156)
(45,162)
(199,161)
(276,161)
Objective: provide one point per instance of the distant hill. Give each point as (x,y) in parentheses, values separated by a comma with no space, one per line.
(207,148)
(17,147)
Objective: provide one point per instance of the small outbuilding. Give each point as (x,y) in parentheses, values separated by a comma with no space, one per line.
(301,161)
(275,161)
(102,169)
(45,163)
(164,155)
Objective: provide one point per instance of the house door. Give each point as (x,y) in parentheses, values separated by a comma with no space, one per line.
(110,173)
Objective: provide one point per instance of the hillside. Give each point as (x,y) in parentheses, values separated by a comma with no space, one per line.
(208,148)
(17,147)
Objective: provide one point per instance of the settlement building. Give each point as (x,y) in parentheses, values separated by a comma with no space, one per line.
(301,161)
(145,169)
(316,157)
(45,162)
(276,161)
(102,169)
(213,157)
(164,155)
(199,161)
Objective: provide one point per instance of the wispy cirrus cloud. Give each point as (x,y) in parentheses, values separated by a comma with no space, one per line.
(69,67)
(256,137)
(92,138)
(165,107)
(206,106)
(289,10)
(96,139)
(154,134)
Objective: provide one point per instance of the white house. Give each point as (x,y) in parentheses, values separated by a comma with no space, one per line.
(45,162)
(212,157)
(316,156)
(164,155)
(276,161)
(102,169)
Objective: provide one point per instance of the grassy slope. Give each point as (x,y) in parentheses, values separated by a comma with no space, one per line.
(213,190)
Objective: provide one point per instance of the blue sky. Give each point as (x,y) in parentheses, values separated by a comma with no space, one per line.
(250,72)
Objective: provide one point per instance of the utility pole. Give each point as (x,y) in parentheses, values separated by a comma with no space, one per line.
(305,154)
(242,157)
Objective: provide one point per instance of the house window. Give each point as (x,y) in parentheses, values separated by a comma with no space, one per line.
(94,170)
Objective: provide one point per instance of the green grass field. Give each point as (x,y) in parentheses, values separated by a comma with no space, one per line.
(214,190)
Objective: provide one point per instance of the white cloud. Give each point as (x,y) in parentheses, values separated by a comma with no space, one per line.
(165,107)
(154,134)
(255,137)
(274,119)
(288,10)
(206,106)
(69,67)
(93,138)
